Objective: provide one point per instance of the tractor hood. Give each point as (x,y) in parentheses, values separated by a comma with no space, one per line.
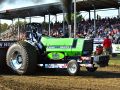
(69,46)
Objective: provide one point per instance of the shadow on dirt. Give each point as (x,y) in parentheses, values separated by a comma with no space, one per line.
(61,72)
(97,74)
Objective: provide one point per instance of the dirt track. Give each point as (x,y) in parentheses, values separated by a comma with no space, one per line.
(104,79)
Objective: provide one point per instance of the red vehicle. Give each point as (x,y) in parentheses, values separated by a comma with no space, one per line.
(99,50)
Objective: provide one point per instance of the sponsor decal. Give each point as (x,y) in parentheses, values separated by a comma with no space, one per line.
(115,48)
(55,65)
(5,44)
(85,58)
(86,65)
(56,56)
(60,47)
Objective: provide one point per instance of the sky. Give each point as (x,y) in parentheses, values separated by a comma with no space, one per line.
(24,3)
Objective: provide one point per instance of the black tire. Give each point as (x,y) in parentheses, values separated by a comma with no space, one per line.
(93,69)
(118,40)
(114,55)
(72,64)
(22,58)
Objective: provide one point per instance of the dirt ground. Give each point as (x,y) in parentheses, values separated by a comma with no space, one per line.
(107,78)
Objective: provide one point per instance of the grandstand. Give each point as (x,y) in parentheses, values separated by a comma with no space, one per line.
(55,8)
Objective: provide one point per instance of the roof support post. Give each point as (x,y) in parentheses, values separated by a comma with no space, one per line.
(89,15)
(0,29)
(25,20)
(18,28)
(119,12)
(12,21)
(49,24)
(63,23)
(56,17)
(70,28)
(30,19)
(75,23)
(44,18)
(94,18)
(12,24)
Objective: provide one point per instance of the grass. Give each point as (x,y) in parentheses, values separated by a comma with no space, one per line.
(115,60)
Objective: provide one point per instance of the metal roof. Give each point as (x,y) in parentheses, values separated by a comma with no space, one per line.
(38,10)
(55,8)
(87,5)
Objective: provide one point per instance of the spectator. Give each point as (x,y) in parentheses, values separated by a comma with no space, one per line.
(107,45)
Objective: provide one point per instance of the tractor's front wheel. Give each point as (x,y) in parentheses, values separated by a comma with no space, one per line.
(73,68)
(22,58)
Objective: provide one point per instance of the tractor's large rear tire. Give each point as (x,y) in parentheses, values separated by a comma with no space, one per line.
(22,58)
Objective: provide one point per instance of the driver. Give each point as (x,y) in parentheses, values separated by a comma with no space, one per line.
(33,30)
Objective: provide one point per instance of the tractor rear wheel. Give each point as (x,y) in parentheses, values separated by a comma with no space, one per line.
(22,58)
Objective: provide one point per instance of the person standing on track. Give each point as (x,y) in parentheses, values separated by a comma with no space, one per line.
(107,45)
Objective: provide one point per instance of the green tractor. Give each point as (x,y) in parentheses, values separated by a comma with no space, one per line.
(49,52)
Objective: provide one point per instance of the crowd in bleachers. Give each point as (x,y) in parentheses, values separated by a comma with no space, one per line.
(85,28)
(105,26)
(11,33)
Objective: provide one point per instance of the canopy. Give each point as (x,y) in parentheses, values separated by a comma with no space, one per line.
(55,8)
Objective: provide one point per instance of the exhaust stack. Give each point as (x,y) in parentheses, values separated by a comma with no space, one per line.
(67,6)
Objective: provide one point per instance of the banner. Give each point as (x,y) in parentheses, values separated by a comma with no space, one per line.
(6,44)
(115,48)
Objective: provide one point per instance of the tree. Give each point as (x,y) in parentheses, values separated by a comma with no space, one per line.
(20,23)
(79,17)
(3,27)
(45,25)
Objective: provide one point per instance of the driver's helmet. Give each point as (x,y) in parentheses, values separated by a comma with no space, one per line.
(33,27)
